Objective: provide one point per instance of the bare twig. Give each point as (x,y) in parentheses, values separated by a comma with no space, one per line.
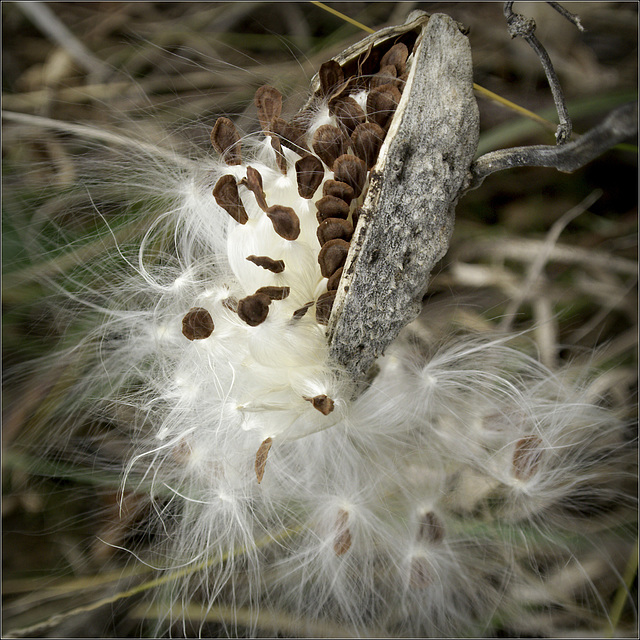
(619,125)
(536,268)
(518,25)
(571,17)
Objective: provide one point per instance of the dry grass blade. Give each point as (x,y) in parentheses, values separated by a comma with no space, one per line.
(264,620)
(56,619)
(537,266)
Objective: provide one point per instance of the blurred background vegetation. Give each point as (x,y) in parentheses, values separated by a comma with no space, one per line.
(164,71)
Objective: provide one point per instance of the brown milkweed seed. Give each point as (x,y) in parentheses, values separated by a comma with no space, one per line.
(329,143)
(309,174)
(290,135)
(334,281)
(332,228)
(430,528)
(253,182)
(355,216)
(419,573)
(331,207)
(226,194)
(281,161)
(366,141)
(348,111)
(324,304)
(342,541)
(226,141)
(261,458)
(268,101)
(396,56)
(197,324)
(352,170)
(332,256)
(277,266)
(230,303)
(299,313)
(526,457)
(338,190)
(254,309)
(285,221)
(386,75)
(382,103)
(275,293)
(324,404)
(331,79)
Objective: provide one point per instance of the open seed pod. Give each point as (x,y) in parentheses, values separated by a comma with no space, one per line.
(410,194)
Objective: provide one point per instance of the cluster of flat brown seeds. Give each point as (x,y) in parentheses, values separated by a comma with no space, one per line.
(349,149)
(363,131)
(359,130)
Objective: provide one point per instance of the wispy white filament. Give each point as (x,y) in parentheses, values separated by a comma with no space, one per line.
(416,506)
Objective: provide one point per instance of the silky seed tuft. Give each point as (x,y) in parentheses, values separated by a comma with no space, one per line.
(254,309)
(226,141)
(197,324)
(226,194)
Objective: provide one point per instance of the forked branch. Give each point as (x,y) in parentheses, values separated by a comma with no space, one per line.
(620,124)
(518,25)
